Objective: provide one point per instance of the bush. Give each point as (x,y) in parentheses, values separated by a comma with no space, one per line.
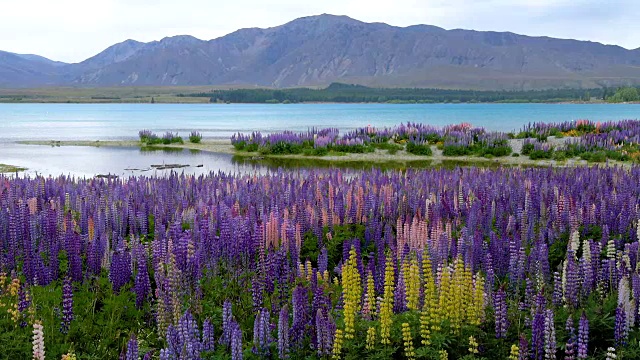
(515,155)
(322,151)
(527,148)
(358,149)
(596,156)
(455,150)
(419,149)
(540,154)
(195,137)
(560,156)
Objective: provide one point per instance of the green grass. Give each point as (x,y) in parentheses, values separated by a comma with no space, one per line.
(10,168)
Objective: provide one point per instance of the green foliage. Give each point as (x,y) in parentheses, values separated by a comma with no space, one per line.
(342,93)
(103,322)
(419,149)
(625,94)
(540,154)
(527,148)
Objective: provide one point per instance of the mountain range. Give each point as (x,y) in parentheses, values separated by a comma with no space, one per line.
(319,50)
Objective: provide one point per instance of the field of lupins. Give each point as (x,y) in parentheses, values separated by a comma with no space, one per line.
(435,264)
(591,141)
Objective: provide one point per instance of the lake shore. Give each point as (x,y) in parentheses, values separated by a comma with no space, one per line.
(5,169)
(378,157)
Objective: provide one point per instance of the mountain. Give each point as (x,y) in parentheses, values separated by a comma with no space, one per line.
(319,50)
(28,70)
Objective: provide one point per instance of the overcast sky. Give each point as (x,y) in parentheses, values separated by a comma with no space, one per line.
(73,30)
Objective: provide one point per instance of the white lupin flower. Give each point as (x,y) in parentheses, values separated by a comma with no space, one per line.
(611,353)
(38,341)
(575,241)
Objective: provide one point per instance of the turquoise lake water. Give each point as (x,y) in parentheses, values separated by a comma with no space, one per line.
(123,121)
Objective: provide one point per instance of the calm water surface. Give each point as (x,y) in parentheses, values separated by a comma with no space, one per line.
(122,121)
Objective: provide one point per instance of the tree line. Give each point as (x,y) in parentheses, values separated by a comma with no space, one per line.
(345,93)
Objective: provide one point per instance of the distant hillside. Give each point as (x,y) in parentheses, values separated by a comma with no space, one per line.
(319,50)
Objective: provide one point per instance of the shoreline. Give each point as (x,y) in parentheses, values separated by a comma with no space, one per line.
(379,157)
(6,169)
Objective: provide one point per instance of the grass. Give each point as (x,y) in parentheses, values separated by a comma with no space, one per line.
(4,168)
(127,94)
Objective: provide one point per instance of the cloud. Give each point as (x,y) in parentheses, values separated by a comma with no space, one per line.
(72,30)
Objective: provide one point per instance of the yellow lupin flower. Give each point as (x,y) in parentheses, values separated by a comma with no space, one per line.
(371,338)
(370,296)
(69,356)
(386,308)
(515,352)
(443,355)
(473,345)
(352,293)
(337,344)
(408,341)
(444,306)
(413,285)
(430,308)
(478,301)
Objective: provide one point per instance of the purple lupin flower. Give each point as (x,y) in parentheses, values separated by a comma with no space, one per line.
(524,348)
(227,318)
(67,305)
(236,341)
(570,349)
(621,332)
(583,337)
(500,306)
(208,342)
(142,285)
(132,348)
(557,289)
(283,333)
(120,269)
(549,335)
(300,302)
(537,335)
(262,333)
(24,301)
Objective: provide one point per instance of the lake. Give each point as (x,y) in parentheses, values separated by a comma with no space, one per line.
(123,121)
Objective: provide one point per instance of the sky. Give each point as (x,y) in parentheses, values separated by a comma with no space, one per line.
(73,30)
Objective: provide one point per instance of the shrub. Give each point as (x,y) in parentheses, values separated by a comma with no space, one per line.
(515,154)
(419,149)
(195,137)
(560,156)
(456,150)
(527,148)
(540,154)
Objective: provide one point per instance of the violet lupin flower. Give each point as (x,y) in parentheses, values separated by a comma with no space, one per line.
(227,318)
(570,348)
(549,336)
(236,341)
(300,304)
(283,333)
(132,349)
(67,305)
(208,342)
(621,332)
(583,337)
(24,301)
(500,306)
(262,333)
(142,285)
(538,335)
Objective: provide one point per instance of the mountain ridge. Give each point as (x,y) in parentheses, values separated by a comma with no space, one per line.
(318,50)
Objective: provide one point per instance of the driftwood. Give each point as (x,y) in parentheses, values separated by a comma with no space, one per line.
(169,166)
(107,176)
